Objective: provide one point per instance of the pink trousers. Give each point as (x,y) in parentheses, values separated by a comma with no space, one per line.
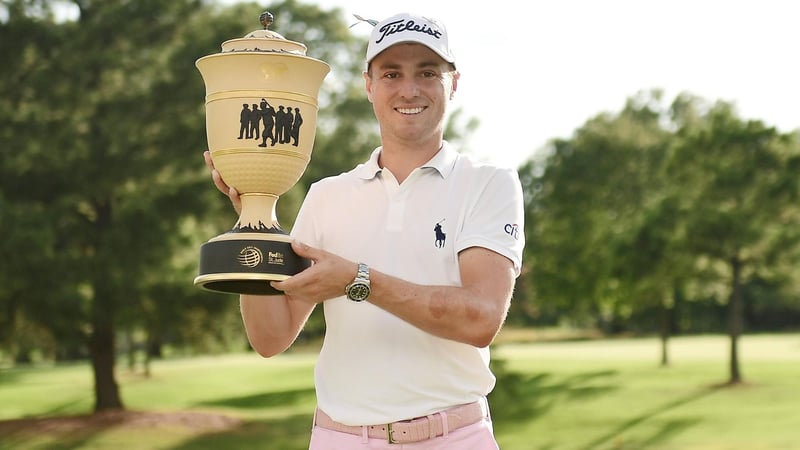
(478,436)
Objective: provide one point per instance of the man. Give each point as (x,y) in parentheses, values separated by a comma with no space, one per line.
(413,262)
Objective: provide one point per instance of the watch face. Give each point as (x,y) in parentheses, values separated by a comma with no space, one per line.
(358,292)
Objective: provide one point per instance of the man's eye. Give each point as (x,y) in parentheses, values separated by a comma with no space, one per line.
(391,75)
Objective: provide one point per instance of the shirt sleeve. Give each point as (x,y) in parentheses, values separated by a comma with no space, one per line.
(495,219)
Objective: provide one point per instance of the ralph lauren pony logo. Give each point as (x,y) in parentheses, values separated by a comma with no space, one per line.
(440,235)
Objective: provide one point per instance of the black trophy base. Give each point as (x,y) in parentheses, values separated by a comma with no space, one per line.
(246,266)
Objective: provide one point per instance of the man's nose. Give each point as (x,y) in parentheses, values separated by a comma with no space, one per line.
(410,88)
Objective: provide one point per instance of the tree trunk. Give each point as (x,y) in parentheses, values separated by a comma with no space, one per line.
(101,341)
(101,345)
(664,350)
(130,350)
(665,332)
(152,350)
(735,308)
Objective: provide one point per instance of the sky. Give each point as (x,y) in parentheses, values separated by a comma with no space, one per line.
(539,72)
(536,70)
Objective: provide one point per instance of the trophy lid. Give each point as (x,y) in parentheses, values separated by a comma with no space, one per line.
(264,40)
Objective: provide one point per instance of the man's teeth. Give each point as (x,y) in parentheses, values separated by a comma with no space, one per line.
(410,110)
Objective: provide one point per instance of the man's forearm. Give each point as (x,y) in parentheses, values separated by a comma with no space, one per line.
(454,313)
(272,322)
(471,313)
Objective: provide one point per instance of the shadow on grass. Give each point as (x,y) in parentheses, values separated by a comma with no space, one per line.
(8,376)
(290,433)
(266,400)
(67,407)
(291,430)
(665,432)
(522,399)
(206,431)
(71,431)
(14,437)
(517,398)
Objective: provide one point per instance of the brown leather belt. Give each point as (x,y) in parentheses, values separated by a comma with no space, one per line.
(414,430)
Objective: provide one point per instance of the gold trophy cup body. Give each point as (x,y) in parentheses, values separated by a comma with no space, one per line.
(261,117)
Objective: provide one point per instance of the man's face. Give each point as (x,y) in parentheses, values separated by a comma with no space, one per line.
(409,86)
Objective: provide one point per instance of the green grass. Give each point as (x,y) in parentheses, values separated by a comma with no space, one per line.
(611,394)
(580,395)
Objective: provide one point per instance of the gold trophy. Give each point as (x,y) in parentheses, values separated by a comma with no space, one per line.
(261,118)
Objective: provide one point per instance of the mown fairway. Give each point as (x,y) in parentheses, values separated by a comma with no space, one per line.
(600,394)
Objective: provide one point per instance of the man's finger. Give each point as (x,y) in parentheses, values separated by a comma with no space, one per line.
(302,249)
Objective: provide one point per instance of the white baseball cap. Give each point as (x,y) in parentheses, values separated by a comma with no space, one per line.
(413,28)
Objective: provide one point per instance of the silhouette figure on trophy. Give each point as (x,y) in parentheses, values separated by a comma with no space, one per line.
(282,126)
(267,114)
(244,121)
(280,116)
(252,133)
(298,120)
(288,120)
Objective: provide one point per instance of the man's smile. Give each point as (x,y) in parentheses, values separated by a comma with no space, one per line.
(416,110)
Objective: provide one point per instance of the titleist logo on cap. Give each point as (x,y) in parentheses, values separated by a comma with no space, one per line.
(398,26)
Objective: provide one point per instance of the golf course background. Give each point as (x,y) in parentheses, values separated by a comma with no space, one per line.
(551,395)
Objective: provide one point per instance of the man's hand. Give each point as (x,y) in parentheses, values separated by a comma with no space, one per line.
(324,280)
(230,191)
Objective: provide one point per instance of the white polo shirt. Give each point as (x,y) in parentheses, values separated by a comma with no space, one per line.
(374,367)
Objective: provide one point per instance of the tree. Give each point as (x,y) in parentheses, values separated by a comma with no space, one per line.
(106,159)
(591,202)
(735,181)
(640,209)
(106,190)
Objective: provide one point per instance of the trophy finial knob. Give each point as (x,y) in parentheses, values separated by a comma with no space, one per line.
(263,40)
(266,18)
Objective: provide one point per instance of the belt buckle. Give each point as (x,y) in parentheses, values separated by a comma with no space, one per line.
(389,436)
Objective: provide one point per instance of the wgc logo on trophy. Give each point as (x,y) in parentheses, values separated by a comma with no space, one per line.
(261,118)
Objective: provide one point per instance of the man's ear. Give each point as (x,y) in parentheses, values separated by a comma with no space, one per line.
(454,87)
(368,85)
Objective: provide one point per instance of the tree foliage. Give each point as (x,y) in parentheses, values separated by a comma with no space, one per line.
(105,200)
(102,187)
(658,204)
(735,185)
(590,201)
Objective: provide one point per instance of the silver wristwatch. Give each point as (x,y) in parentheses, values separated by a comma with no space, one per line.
(358,290)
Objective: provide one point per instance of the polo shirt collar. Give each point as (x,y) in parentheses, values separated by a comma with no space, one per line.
(443,161)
